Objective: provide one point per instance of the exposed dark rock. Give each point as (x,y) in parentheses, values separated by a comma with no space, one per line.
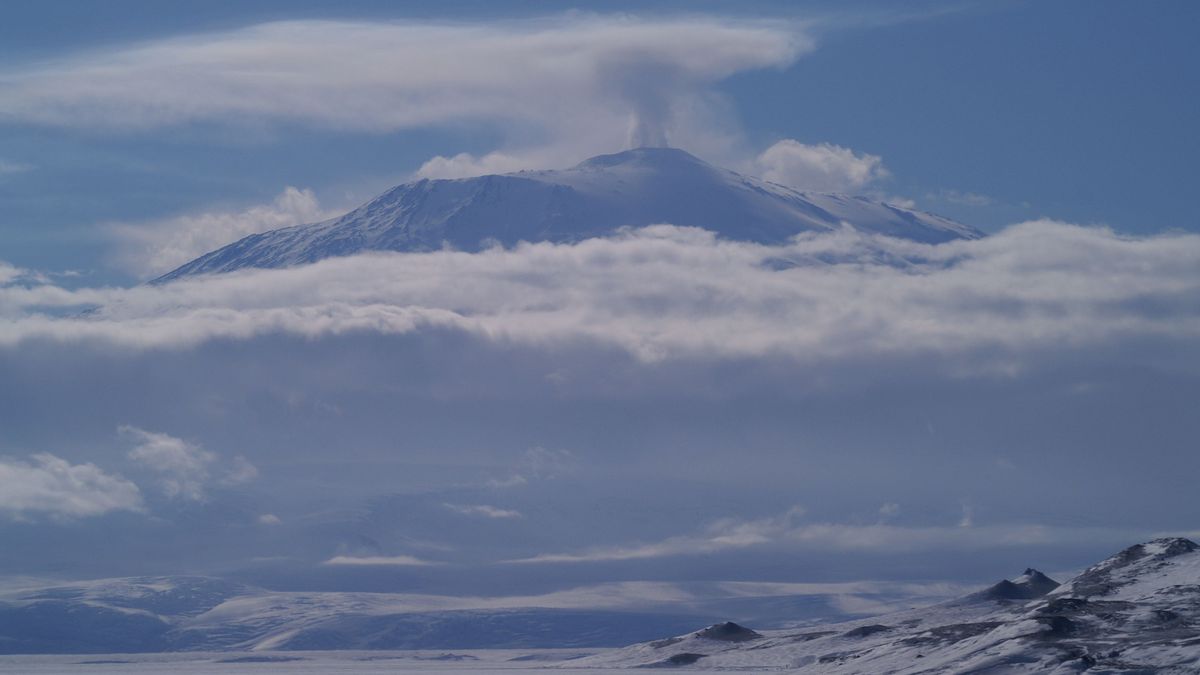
(951,633)
(666,642)
(1030,585)
(864,631)
(683,659)
(728,632)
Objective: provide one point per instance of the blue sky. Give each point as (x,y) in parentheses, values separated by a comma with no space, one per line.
(989,112)
(661,405)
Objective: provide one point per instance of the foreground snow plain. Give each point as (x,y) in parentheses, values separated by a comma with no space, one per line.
(510,662)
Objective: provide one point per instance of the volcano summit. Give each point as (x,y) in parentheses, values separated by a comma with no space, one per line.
(595,198)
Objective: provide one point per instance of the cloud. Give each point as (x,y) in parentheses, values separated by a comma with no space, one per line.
(184,470)
(968,516)
(8,167)
(151,248)
(888,511)
(607,79)
(53,486)
(11,274)
(537,464)
(483,510)
(269,519)
(464,165)
(558,89)
(667,293)
(818,168)
(378,560)
(182,466)
(240,471)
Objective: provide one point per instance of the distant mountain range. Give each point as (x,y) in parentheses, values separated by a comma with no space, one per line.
(1136,612)
(190,613)
(634,188)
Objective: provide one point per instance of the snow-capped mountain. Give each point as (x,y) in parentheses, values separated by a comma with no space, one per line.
(595,198)
(1136,612)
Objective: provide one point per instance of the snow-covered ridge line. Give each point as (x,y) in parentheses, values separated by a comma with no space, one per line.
(1137,611)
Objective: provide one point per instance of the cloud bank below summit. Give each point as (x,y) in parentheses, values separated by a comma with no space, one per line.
(665,292)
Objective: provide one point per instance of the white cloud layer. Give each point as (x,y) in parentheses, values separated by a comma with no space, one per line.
(152,248)
(560,89)
(818,168)
(608,79)
(377,561)
(786,530)
(53,486)
(664,292)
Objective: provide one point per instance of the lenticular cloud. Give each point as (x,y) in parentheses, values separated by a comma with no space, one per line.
(666,292)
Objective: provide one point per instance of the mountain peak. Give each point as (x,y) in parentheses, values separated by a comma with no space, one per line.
(1032,584)
(1031,575)
(1139,569)
(728,632)
(1168,547)
(646,156)
(1157,549)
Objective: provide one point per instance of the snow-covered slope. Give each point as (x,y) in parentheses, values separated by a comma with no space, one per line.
(633,188)
(1136,612)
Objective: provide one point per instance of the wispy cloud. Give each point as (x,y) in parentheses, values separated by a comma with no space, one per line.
(184,470)
(483,510)
(961,198)
(377,561)
(722,535)
(788,531)
(10,167)
(559,88)
(576,77)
